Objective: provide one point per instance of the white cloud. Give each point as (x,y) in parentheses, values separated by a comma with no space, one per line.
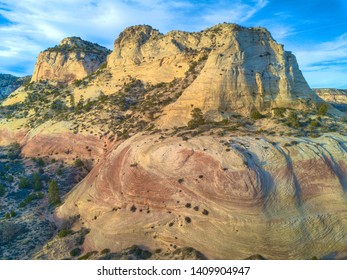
(39,24)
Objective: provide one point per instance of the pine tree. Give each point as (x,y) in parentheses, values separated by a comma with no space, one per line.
(37,184)
(53,193)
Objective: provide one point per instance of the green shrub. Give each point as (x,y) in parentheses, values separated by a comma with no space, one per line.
(293,120)
(2,190)
(64,232)
(53,193)
(40,162)
(78,163)
(87,255)
(255,115)
(197,118)
(105,251)
(322,109)
(24,183)
(30,198)
(279,112)
(75,252)
(314,123)
(37,184)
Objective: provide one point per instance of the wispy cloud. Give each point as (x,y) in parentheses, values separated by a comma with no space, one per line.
(325,63)
(237,12)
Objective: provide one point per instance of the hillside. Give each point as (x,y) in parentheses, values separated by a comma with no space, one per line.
(9,83)
(336,97)
(180,145)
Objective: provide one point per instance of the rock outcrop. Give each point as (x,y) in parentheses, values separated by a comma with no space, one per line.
(9,83)
(72,59)
(243,69)
(278,197)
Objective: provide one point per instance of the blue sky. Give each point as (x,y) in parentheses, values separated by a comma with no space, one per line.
(315,31)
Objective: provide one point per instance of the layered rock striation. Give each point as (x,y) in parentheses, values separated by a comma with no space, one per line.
(263,196)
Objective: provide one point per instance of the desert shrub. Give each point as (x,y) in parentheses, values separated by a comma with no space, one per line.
(322,109)
(139,253)
(2,190)
(255,115)
(64,232)
(279,112)
(10,179)
(30,198)
(79,163)
(40,162)
(24,183)
(188,220)
(205,212)
(87,255)
(197,118)
(314,123)
(37,183)
(53,193)
(105,251)
(133,208)
(293,120)
(75,252)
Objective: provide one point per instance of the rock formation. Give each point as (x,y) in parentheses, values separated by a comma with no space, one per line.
(231,200)
(72,59)
(244,69)
(234,185)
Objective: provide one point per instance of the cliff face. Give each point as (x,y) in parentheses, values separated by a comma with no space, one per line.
(240,69)
(72,59)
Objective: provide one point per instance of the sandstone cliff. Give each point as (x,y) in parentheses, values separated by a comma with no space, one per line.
(72,59)
(242,69)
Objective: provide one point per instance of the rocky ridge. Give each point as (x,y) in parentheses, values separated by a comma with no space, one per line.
(71,60)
